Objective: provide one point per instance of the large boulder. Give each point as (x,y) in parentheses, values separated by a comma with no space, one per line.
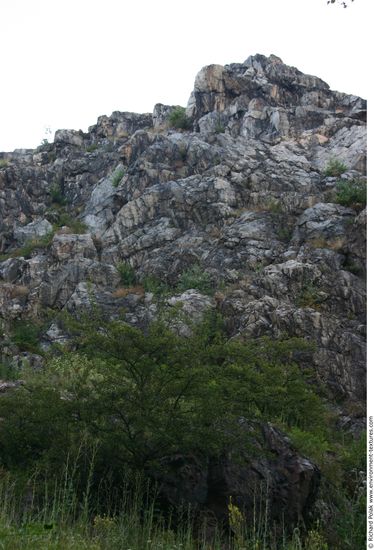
(273,474)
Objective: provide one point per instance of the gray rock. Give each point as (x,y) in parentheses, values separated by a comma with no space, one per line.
(35,229)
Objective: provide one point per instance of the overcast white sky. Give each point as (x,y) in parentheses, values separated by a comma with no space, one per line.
(66,62)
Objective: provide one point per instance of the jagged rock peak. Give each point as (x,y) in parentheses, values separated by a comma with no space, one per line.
(267,99)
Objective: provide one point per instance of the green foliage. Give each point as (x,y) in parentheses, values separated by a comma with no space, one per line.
(53,520)
(284,234)
(195,277)
(76,225)
(91,148)
(350,265)
(310,295)
(3,163)
(25,335)
(153,284)
(127,274)
(121,399)
(56,194)
(335,168)
(179,119)
(117,176)
(351,193)
(275,206)
(143,396)
(33,244)
(219,128)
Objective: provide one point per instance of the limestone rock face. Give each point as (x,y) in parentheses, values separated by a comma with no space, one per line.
(243,196)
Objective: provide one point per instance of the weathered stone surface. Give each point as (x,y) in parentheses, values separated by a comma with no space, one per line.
(35,229)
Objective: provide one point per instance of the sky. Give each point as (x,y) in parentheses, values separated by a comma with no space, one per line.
(64,63)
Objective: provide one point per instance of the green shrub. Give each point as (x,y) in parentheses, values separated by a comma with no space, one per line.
(335,168)
(91,148)
(284,234)
(76,225)
(350,265)
(219,127)
(25,335)
(274,206)
(195,277)
(179,119)
(127,274)
(3,163)
(155,285)
(56,194)
(310,295)
(117,176)
(351,193)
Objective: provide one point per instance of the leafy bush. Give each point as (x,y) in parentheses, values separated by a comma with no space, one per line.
(195,277)
(117,176)
(335,168)
(25,335)
(179,119)
(351,193)
(127,274)
(141,396)
(3,163)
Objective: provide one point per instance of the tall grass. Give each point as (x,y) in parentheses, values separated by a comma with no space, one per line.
(39,513)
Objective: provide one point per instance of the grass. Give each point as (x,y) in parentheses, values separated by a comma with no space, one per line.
(74,224)
(4,163)
(274,206)
(117,176)
(37,515)
(56,194)
(28,248)
(309,296)
(195,277)
(192,278)
(127,274)
(351,193)
(335,168)
(284,234)
(91,148)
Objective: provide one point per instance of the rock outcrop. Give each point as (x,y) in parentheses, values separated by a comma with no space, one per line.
(243,194)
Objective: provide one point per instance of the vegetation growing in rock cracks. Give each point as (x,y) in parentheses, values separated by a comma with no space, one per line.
(194,277)
(335,168)
(36,243)
(351,193)
(178,119)
(78,435)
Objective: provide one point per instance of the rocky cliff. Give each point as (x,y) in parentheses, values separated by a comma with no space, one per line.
(245,193)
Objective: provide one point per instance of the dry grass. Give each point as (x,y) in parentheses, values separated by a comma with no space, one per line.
(18,291)
(123,292)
